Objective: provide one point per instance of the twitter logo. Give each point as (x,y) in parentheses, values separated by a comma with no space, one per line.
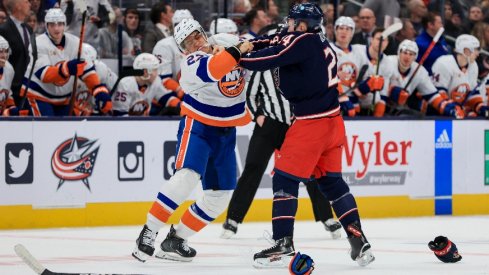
(19,163)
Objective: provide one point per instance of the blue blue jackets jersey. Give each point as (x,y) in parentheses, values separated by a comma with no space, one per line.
(304,67)
(441,48)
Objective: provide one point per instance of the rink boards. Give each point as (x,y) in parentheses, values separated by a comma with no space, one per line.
(107,172)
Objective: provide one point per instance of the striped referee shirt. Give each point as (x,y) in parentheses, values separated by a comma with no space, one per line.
(263,98)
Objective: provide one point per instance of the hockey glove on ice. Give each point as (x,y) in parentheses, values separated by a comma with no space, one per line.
(102,98)
(301,264)
(445,250)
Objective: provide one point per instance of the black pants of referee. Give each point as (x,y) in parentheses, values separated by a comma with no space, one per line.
(263,143)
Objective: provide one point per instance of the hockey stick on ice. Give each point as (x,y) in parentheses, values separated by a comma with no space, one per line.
(35,265)
(425,55)
(82,6)
(385,34)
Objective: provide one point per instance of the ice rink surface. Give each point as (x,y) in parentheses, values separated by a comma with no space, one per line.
(399,245)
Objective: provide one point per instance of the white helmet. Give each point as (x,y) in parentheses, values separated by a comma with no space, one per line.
(466,41)
(408,45)
(4,45)
(179,15)
(146,61)
(184,29)
(345,21)
(224,25)
(55,15)
(89,52)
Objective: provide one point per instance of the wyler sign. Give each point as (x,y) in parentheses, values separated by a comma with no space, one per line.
(377,156)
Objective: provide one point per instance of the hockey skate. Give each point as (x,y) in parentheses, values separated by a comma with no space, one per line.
(333,227)
(279,255)
(145,244)
(175,248)
(230,227)
(360,248)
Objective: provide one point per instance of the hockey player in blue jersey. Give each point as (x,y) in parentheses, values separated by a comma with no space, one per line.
(313,145)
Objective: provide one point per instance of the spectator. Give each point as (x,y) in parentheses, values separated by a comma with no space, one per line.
(159,27)
(367,26)
(108,38)
(273,12)
(453,21)
(132,25)
(407,32)
(475,16)
(431,24)
(31,21)
(481,31)
(328,11)
(384,9)
(256,19)
(18,36)
(241,6)
(417,11)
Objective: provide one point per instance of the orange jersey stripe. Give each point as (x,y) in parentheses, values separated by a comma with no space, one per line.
(34,107)
(31,94)
(51,75)
(91,80)
(221,64)
(173,102)
(192,222)
(184,143)
(160,212)
(171,84)
(472,102)
(240,121)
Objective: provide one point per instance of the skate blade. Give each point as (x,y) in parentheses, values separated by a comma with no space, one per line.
(139,255)
(227,234)
(365,258)
(274,262)
(172,256)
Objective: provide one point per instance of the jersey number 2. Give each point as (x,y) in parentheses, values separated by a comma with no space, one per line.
(331,60)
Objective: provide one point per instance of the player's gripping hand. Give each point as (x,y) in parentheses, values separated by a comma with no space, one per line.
(73,67)
(445,250)
(375,83)
(245,47)
(399,95)
(454,110)
(102,98)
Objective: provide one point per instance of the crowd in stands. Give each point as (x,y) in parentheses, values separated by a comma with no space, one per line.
(421,20)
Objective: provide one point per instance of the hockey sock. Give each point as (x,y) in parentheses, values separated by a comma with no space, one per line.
(342,201)
(202,212)
(171,195)
(285,191)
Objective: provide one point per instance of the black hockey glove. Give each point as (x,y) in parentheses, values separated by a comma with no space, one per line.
(445,250)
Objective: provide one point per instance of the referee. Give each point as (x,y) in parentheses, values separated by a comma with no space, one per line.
(272,115)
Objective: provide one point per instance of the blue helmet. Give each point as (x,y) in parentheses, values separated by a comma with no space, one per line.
(309,13)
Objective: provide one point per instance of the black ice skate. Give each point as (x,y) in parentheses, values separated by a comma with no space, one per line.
(279,255)
(175,248)
(230,227)
(333,227)
(145,244)
(360,248)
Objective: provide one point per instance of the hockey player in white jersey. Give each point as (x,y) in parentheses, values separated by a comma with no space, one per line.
(214,104)
(170,56)
(84,102)
(398,93)
(55,69)
(7,104)
(135,94)
(350,59)
(456,75)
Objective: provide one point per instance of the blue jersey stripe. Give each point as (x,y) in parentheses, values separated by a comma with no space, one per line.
(34,86)
(167,201)
(215,111)
(202,71)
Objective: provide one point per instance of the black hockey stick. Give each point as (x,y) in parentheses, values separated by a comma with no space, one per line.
(31,72)
(126,71)
(80,45)
(35,265)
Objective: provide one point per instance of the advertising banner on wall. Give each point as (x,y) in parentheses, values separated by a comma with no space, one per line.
(71,163)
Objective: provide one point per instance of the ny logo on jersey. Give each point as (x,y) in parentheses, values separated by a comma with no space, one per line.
(139,108)
(232,84)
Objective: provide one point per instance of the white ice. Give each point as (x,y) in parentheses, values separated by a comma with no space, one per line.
(399,245)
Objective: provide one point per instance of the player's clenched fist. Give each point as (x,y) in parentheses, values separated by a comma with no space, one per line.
(245,47)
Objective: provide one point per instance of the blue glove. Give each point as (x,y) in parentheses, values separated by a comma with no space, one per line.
(301,264)
(102,98)
(454,110)
(483,111)
(347,108)
(445,250)
(11,111)
(74,67)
